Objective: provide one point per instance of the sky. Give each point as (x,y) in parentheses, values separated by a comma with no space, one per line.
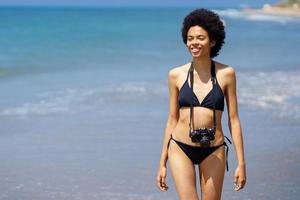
(212,3)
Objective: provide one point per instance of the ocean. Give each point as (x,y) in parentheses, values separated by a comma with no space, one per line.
(85,101)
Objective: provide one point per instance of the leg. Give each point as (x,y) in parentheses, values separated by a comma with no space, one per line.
(183,172)
(212,171)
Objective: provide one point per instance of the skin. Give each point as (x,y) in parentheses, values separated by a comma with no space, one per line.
(213,167)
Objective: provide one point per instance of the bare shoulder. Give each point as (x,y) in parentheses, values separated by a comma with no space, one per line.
(225,69)
(225,72)
(176,72)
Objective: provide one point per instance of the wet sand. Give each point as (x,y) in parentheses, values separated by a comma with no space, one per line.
(288,11)
(82,158)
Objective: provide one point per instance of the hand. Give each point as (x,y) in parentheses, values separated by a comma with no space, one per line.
(240,177)
(161,178)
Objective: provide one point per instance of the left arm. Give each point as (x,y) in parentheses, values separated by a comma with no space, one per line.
(235,127)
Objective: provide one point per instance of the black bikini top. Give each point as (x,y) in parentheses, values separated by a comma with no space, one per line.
(186,95)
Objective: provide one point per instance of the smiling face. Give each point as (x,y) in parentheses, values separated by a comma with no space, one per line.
(198,42)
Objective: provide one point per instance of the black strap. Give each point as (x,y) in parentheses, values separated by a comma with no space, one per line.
(191,72)
(214,82)
(169,141)
(226,148)
(213,79)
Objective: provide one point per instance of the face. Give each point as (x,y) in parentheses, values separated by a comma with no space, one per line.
(198,42)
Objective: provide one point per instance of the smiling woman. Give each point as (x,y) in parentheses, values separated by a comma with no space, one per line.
(193,134)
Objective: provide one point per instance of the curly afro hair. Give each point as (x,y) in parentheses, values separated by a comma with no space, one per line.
(211,22)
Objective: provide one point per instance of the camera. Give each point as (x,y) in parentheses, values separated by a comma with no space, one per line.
(203,136)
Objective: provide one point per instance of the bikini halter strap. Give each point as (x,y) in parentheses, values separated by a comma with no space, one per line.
(213,79)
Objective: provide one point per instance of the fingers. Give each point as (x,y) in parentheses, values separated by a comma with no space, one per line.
(236,185)
(239,184)
(236,178)
(161,183)
(242,183)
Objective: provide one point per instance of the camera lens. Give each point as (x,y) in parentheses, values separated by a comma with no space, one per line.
(205,142)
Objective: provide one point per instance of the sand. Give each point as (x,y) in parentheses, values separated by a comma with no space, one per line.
(289,11)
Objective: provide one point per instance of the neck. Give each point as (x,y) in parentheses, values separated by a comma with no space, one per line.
(202,64)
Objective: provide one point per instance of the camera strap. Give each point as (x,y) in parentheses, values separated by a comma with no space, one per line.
(213,79)
(191,72)
(214,82)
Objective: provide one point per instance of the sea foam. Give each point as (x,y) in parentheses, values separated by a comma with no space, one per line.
(275,91)
(240,14)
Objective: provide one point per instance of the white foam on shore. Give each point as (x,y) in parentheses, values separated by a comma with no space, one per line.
(272,91)
(240,14)
(275,91)
(50,102)
(72,100)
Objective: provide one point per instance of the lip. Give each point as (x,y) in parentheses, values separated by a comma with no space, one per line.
(195,50)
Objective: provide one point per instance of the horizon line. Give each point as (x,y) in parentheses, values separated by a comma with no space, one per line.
(113,6)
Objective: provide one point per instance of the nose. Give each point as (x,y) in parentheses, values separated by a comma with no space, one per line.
(195,42)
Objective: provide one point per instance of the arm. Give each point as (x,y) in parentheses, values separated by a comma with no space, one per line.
(171,123)
(172,117)
(235,126)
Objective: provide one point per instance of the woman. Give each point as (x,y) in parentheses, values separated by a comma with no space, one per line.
(197,91)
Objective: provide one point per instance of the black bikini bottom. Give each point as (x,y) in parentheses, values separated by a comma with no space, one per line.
(198,154)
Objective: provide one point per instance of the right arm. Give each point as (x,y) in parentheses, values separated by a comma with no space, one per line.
(171,123)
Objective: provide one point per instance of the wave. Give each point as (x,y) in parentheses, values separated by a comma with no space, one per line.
(277,92)
(50,102)
(73,100)
(240,14)
(274,91)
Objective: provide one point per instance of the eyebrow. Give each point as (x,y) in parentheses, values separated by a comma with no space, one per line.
(196,35)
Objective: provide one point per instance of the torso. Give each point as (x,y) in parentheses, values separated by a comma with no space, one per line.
(203,117)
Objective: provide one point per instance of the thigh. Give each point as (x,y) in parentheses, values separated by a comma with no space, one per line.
(183,173)
(212,171)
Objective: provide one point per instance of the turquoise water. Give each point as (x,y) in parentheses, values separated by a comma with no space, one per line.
(84,97)
(49,49)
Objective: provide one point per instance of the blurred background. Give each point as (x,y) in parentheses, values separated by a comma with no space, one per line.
(84,97)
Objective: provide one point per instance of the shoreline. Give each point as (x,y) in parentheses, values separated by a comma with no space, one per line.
(278,10)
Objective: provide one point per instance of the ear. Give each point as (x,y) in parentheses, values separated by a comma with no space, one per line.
(213,43)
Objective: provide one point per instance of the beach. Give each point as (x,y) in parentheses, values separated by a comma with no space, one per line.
(85,101)
(278,10)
